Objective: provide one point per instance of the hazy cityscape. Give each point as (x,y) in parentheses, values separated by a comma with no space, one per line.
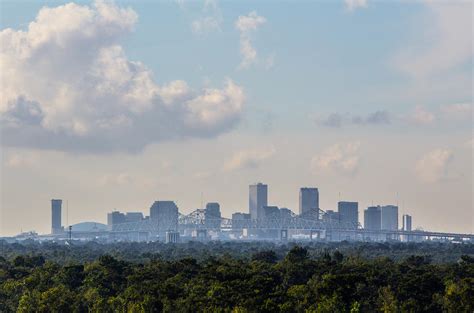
(236,156)
(262,221)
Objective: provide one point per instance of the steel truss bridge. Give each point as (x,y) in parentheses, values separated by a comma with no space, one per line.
(312,223)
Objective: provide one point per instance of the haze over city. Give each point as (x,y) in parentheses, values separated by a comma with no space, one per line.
(114,105)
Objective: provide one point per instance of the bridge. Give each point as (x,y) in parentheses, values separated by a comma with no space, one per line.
(312,224)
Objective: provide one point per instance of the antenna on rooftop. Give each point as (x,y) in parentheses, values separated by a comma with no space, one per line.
(202,206)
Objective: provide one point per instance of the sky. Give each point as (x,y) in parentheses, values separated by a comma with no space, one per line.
(113,105)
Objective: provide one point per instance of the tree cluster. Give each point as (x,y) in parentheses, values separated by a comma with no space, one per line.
(263,282)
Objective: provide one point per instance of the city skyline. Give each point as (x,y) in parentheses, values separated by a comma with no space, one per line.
(194,101)
(347,212)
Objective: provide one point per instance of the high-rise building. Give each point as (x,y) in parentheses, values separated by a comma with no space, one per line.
(240,220)
(309,200)
(349,213)
(271,212)
(285,213)
(165,215)
(258,199)
(331,216)
(56,206)
(372,218)
(212,215)
(406,222)
(132,217)
(389,217)
(114,218)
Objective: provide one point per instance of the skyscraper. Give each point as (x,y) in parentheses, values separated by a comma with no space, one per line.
(258,199)
(309,200)
(212,215)
(389,217)
(406,222)
(114,218)
(372,218)
(56,205)
(349,213)
(165,215)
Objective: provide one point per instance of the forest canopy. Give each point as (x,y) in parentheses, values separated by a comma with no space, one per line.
(240,277)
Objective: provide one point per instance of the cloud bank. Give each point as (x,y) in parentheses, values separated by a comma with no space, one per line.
(68,85)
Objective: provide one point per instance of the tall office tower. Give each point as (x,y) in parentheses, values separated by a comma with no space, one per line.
(115,218)
(56,226)
(390,217)
(349,213)
(373,218)
(165,215)
(212,215)
(258,199)
(309,200)
(406,222)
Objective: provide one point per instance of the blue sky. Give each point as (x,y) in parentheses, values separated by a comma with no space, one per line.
(332,90)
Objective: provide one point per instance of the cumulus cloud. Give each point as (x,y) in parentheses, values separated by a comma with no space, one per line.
(70,86)
(355,4)
(339,158)
(337,120)
(246,25)
(447,44)
(211,21)
(421,116)
(432,167)
(249,159)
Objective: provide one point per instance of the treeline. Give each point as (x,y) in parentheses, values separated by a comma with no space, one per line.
(140,252)
(298,282)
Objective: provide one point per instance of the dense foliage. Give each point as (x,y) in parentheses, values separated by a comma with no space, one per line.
(437,252)
(263,281)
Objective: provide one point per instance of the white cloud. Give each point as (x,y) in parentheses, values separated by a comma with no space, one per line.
(246,25)
(421,116)
(355,4)
(341,158)
(249,158)
(70,86)
(432,167)
(211,21)
(442,47)
(206,24)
